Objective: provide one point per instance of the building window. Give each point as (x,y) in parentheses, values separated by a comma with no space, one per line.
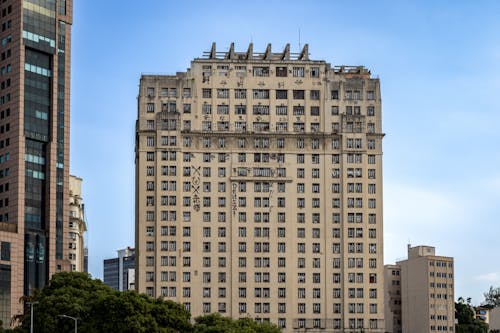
(298,71)
(5,251)
(314,95)
(281,71)
(370,111)
(298,127)
(260,71)
(206,93)
(222,93)
(298,94)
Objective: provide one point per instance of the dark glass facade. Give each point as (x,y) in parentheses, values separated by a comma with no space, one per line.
(34,147)
(42,50)
(61,75)
(112,271)
(5,284)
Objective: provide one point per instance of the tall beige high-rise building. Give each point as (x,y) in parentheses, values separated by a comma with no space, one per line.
(77,225)
(259,190)
(422,297)
(35,59)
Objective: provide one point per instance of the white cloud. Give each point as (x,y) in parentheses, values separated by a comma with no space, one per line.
(421,207)
(420,216)
(493,277)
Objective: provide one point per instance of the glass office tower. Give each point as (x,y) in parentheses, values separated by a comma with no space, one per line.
(34,146)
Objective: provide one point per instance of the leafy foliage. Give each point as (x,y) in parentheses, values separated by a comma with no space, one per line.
(467,323)
(492,297)
(215,323)
(102,309)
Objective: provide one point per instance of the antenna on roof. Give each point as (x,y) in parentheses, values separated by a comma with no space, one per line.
(213,51)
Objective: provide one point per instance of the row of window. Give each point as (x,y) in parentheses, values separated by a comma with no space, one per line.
(258,232)
(257,157)
(259,172)
(242,202)
(261,277)
(258,93)
(258,142)
(264,232)
(265,247)
(242,217)
(442,328)
(442,274)
(266,292)
(439,263)
(265,143)
(262,247)
(223,93)
(259,109)
(262,261)
(168,92)
(260,202)
(440,285)
(265,262)
(258,187)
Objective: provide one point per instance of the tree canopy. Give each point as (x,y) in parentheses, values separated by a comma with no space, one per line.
(492,297)
(215,323)
(466,321)
(99,308)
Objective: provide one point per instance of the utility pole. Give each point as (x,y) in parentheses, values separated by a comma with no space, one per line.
(31,314)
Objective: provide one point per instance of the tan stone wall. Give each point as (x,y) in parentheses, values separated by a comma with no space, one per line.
(77,225)
(312,252)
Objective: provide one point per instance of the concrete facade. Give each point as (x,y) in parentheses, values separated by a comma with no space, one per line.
(34,146)
(489,316)
(494,319)
(392,299)
(259,190)
(77,226)
(427,292)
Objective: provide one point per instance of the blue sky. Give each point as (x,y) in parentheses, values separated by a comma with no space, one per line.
(439,66)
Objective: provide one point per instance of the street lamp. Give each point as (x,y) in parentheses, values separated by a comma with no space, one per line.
(75,319)
(31,314)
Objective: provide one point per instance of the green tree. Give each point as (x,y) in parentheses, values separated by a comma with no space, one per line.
(215,323)
(467,323)
(102,309)
(492,297)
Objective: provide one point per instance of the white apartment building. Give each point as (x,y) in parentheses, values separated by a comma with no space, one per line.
(77,226)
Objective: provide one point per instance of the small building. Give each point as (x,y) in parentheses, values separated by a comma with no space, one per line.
(482,313)
(77,226)
(425,285)
(119,273)
(490,316)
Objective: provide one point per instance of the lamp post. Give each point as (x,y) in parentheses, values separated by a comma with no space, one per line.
(75,319)
(31,314)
